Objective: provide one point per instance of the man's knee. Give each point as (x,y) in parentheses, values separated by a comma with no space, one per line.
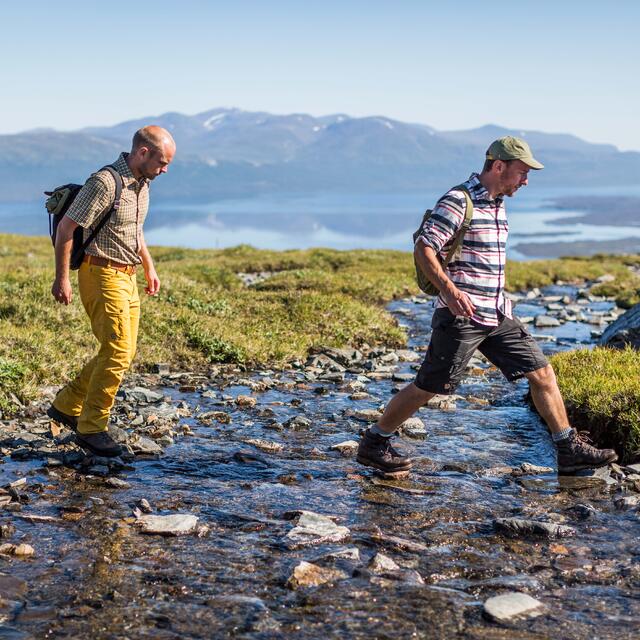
(544,377)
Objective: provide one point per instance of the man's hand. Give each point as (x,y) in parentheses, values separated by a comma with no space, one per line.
(153,282)
(61,290)
(458,301)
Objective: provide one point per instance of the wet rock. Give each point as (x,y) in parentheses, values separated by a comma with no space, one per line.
(307,574)
(139,395)
(624,331)
(586,478)
(402,544)
(625,503)
(524,526)
(359,395)
(297,423)
(116,483)
(98,470)
(413,427)
(350,553)
(382,564)
(346,448)
(265,445)
(527,469)
(403,377)
(406,355)
(543,321)
(314,528)
(246,401)
(366,415)
(6,531)
(173,525)
(520,582)
(443,403)
(18,550)
(141,445)
(144,506)
(510,606)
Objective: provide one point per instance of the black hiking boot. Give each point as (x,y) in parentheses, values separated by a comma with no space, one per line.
(376,451)
(102,444)
(575,453)
(62,418)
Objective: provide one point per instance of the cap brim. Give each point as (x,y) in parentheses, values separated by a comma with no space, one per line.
(533,163)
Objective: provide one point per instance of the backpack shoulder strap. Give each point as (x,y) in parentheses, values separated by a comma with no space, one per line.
(456,246)
(112,209)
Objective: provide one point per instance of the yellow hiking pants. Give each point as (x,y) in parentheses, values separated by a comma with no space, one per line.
(111,300)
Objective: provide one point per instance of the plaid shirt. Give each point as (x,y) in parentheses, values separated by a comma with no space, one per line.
(479,271)
(118,240)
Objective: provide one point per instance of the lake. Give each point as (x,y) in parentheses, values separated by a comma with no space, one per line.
(340,221)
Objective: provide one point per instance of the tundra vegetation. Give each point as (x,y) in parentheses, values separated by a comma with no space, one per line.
(319,297)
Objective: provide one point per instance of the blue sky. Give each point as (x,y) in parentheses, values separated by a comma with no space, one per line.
(563,66)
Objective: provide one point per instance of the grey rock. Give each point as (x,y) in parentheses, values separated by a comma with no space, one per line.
(403,377)
(346,448)
(306,574)
(525,526)
(177,524)
(314,528)
(99,470)
(512,605)
(382,564)
(141,395)
(144,506)
(116,483)
(546,321)
(413,427)
(624,503)
(141,445)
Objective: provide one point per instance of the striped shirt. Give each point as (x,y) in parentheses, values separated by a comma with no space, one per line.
(479,270)
(119,239)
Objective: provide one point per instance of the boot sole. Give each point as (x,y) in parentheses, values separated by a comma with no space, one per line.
(582,467)
(396,470)
(99,452)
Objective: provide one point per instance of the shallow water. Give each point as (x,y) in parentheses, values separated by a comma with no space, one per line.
(95,576)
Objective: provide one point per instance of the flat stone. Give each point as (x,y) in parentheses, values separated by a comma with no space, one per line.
(626,502)
(512,605)
(140,394)
(546,321)
(403,377)
(382,564)
(359,395)
(314,528)
(116,483)
(141,445)
(297,423)
(527,469)
(307,574)
(178,524)
(524,526)
(346,448)
(265,445)
(366,415)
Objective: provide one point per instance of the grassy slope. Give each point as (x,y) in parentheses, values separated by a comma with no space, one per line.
(204,314)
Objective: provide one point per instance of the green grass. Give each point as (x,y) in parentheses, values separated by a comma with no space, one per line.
(601,388)
(204,314)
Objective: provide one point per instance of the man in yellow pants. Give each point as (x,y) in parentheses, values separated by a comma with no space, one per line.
(107,282)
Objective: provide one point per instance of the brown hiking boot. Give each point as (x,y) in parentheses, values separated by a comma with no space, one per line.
(376,451)
(62,418)
(102,444)
(575,453)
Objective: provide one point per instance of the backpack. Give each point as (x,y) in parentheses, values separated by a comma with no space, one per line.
(58,203)
(456,247)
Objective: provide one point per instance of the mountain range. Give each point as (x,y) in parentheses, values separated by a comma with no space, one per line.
(226,153)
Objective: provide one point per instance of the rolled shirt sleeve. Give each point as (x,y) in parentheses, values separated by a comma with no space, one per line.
(95,197)
(446,219)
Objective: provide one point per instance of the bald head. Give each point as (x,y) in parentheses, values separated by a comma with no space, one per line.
(152,137)
(152,151)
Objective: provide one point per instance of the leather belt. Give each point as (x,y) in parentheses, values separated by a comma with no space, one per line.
(129,269)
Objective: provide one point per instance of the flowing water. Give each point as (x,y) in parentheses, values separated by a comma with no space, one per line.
(95,576)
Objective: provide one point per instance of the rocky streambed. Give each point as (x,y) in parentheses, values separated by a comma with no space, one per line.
(239,511)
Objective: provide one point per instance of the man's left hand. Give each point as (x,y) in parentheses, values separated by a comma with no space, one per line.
(153,282)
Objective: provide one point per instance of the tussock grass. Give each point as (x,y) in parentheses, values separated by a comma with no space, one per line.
(601,388)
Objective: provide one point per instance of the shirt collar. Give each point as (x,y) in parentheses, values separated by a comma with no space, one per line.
(480,191)
(123,168)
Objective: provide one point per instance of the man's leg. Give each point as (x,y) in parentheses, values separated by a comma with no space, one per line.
(109,310)
(574,451)
(453,342)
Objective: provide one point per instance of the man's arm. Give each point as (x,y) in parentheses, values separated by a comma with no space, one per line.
(458,301)
(153,282)
(61,289)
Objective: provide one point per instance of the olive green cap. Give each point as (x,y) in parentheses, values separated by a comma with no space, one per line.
(510,148)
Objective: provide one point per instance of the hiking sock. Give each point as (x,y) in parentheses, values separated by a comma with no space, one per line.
(561,435)
(379,432)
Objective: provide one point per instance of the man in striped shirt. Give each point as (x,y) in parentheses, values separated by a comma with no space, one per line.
(472,313)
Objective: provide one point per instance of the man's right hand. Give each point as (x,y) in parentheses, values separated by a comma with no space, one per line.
(458,302)
(61,290)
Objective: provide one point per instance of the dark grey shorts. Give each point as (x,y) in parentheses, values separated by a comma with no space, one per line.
(509,346)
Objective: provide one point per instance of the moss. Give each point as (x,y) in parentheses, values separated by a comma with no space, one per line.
(601,388)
